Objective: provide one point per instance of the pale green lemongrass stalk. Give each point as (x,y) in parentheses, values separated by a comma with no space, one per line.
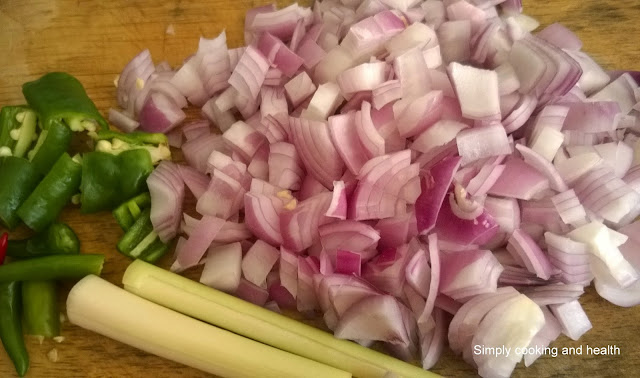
(104,308)
(244,318)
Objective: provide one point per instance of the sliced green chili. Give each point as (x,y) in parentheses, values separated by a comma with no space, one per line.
(57,239)
(40,308)
(52,194)
(58,267)
(19,179)
(109,180)
(58,96)
(141,242)
(51,144)
(11,326)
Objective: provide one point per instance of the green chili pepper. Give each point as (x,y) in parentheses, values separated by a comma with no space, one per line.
(40,308)
(58,96)
(17,130)
(52,194)
(19,179)
(134,138)
(155,251)
(10,322)
(109,180)
(8,122)
(56,267)
(11,326)
(141,242)
(114,143)
(127,213)
(51,144)
(57,239)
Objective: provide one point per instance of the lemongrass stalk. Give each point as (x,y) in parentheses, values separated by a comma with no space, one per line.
(104,308)
(244,318)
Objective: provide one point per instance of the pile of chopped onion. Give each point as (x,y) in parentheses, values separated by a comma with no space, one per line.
(408,171)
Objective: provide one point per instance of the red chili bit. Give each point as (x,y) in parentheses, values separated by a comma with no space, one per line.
(4,241)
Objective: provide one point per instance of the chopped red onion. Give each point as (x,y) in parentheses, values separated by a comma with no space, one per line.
(262,216)
(572,318)
(356,187)
(222,267)
(299,88)
(469,273)
(251,293)
(364,77)
(316,150)
(122,121)
(455,41)
(159,114)
(434,189)
(258,262)
(482,142)
(503,326)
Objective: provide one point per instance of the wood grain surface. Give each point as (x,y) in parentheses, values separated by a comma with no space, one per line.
(93,40)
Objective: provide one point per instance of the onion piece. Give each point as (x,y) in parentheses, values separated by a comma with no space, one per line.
(262,216)
(167,196)
(386,271)
(434,259)
(373,318)
(370,138)
(122,121)
(469,273)
(222,267)
(364,77)
(519,180)
(279,54)
(525,250)
(434,189)
(338,206)
(197,151)
(351,236)
(572,318)
(348,263)
(316,150)
(258,262)
(285,168)
(603,243)
(503,325)
(455,40)
(306,300)
(543,166)
(281,23)
(467,319)
(347,142)
(223,197)
(396,231)
(249,74)
(554,293)
(472,84)
(299,226)
(194,180)
(477,227)
(199,241)
(411,69)
(561,37)
(243,139)
(415,115)
(592,117)
(494,143)
(418,273)
(439,134)
(159,114)
(299,88)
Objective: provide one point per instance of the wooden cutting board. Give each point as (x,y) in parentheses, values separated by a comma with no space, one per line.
(93,40)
